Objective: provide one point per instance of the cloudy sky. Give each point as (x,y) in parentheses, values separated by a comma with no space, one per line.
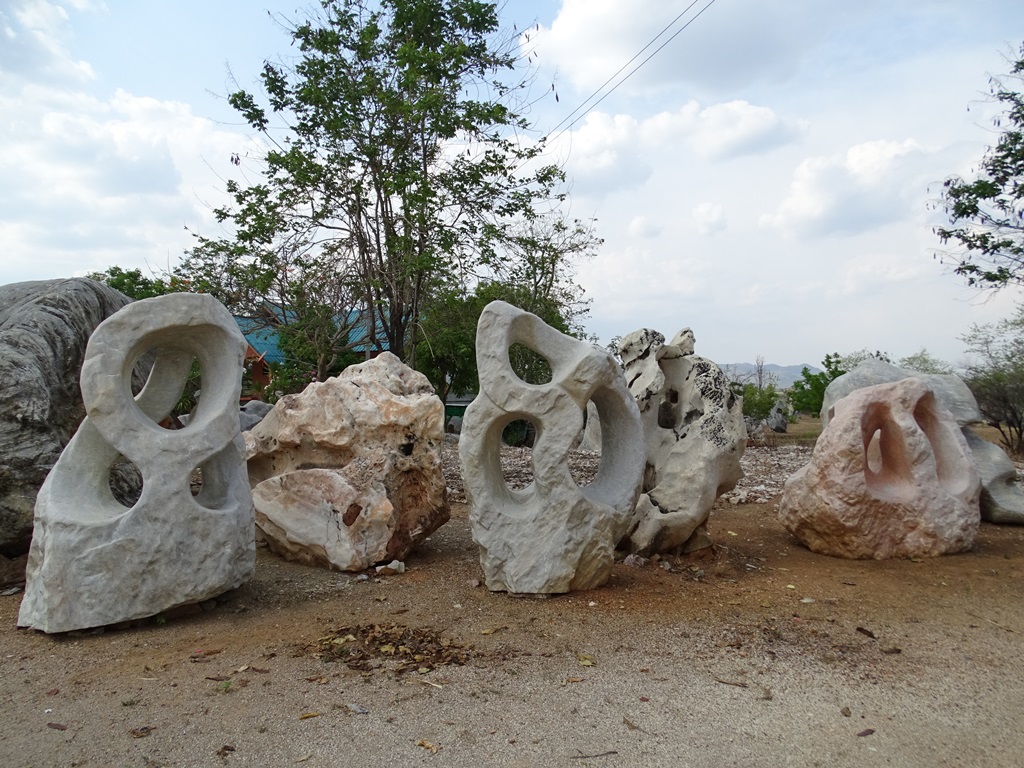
(763,179)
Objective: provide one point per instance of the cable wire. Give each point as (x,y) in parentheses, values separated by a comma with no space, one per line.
(566,121)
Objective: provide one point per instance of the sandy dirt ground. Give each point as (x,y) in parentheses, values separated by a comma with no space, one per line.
(755,653)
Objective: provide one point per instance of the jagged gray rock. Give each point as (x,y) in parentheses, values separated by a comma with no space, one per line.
(95,561)
(44,328)
(695,436)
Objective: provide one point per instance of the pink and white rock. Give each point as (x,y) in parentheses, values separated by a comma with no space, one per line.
(695,436)
(890,476)
(96,561)
(551,536)
(1002,499)
(377,429)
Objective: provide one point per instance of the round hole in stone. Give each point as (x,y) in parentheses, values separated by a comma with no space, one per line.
(585,461)
(188,402)
(125,481)
(517,453)
(530,366)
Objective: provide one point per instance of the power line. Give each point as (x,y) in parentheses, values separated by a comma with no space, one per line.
(566,121)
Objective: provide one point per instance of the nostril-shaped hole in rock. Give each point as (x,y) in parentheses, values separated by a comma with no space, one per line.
(406,448)
(125,481)
(517,453)
(529,365)
(873,452)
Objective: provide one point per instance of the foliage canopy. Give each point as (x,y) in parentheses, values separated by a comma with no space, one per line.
(986,214)
(397,173)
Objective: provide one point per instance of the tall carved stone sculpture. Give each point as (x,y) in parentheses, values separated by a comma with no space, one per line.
(695,437)
(551,536)
(890,476)
(93,560)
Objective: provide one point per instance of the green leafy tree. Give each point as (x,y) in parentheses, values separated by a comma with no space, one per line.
(536,275)
(851,360)
(923,361)
(758,402)
(986,214)
(995,374)
(135,285)
(808,393)
(395,161)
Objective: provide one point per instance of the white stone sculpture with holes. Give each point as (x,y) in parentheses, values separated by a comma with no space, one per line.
(94,561)
(890,476)
(552,536)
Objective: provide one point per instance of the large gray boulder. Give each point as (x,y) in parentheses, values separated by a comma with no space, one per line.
(949,388)
(44,327)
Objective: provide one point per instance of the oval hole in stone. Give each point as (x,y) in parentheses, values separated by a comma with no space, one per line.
(584,464)
(188,402)
(125,481)
(195,481)
(873,452)
(517,453)
(530,366)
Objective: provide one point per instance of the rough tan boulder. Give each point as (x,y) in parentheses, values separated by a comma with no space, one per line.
(891,476)
(377,427)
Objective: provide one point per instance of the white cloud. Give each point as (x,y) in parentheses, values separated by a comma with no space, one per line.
(729,45)
(643,226)
(36,32)
(709,218)
(869,185)
(737,128)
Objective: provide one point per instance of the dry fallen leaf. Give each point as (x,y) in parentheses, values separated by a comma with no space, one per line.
(141,733)
(492,630)
(57,726)
(307,715)
(433,748)
(866,732)
(585,659)
(630,724)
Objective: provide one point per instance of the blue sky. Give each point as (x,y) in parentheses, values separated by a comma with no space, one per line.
(764,179)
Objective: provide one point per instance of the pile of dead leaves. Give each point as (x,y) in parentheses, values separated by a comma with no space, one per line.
(396,647)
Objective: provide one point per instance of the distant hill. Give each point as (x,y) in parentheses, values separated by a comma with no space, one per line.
(784,375)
